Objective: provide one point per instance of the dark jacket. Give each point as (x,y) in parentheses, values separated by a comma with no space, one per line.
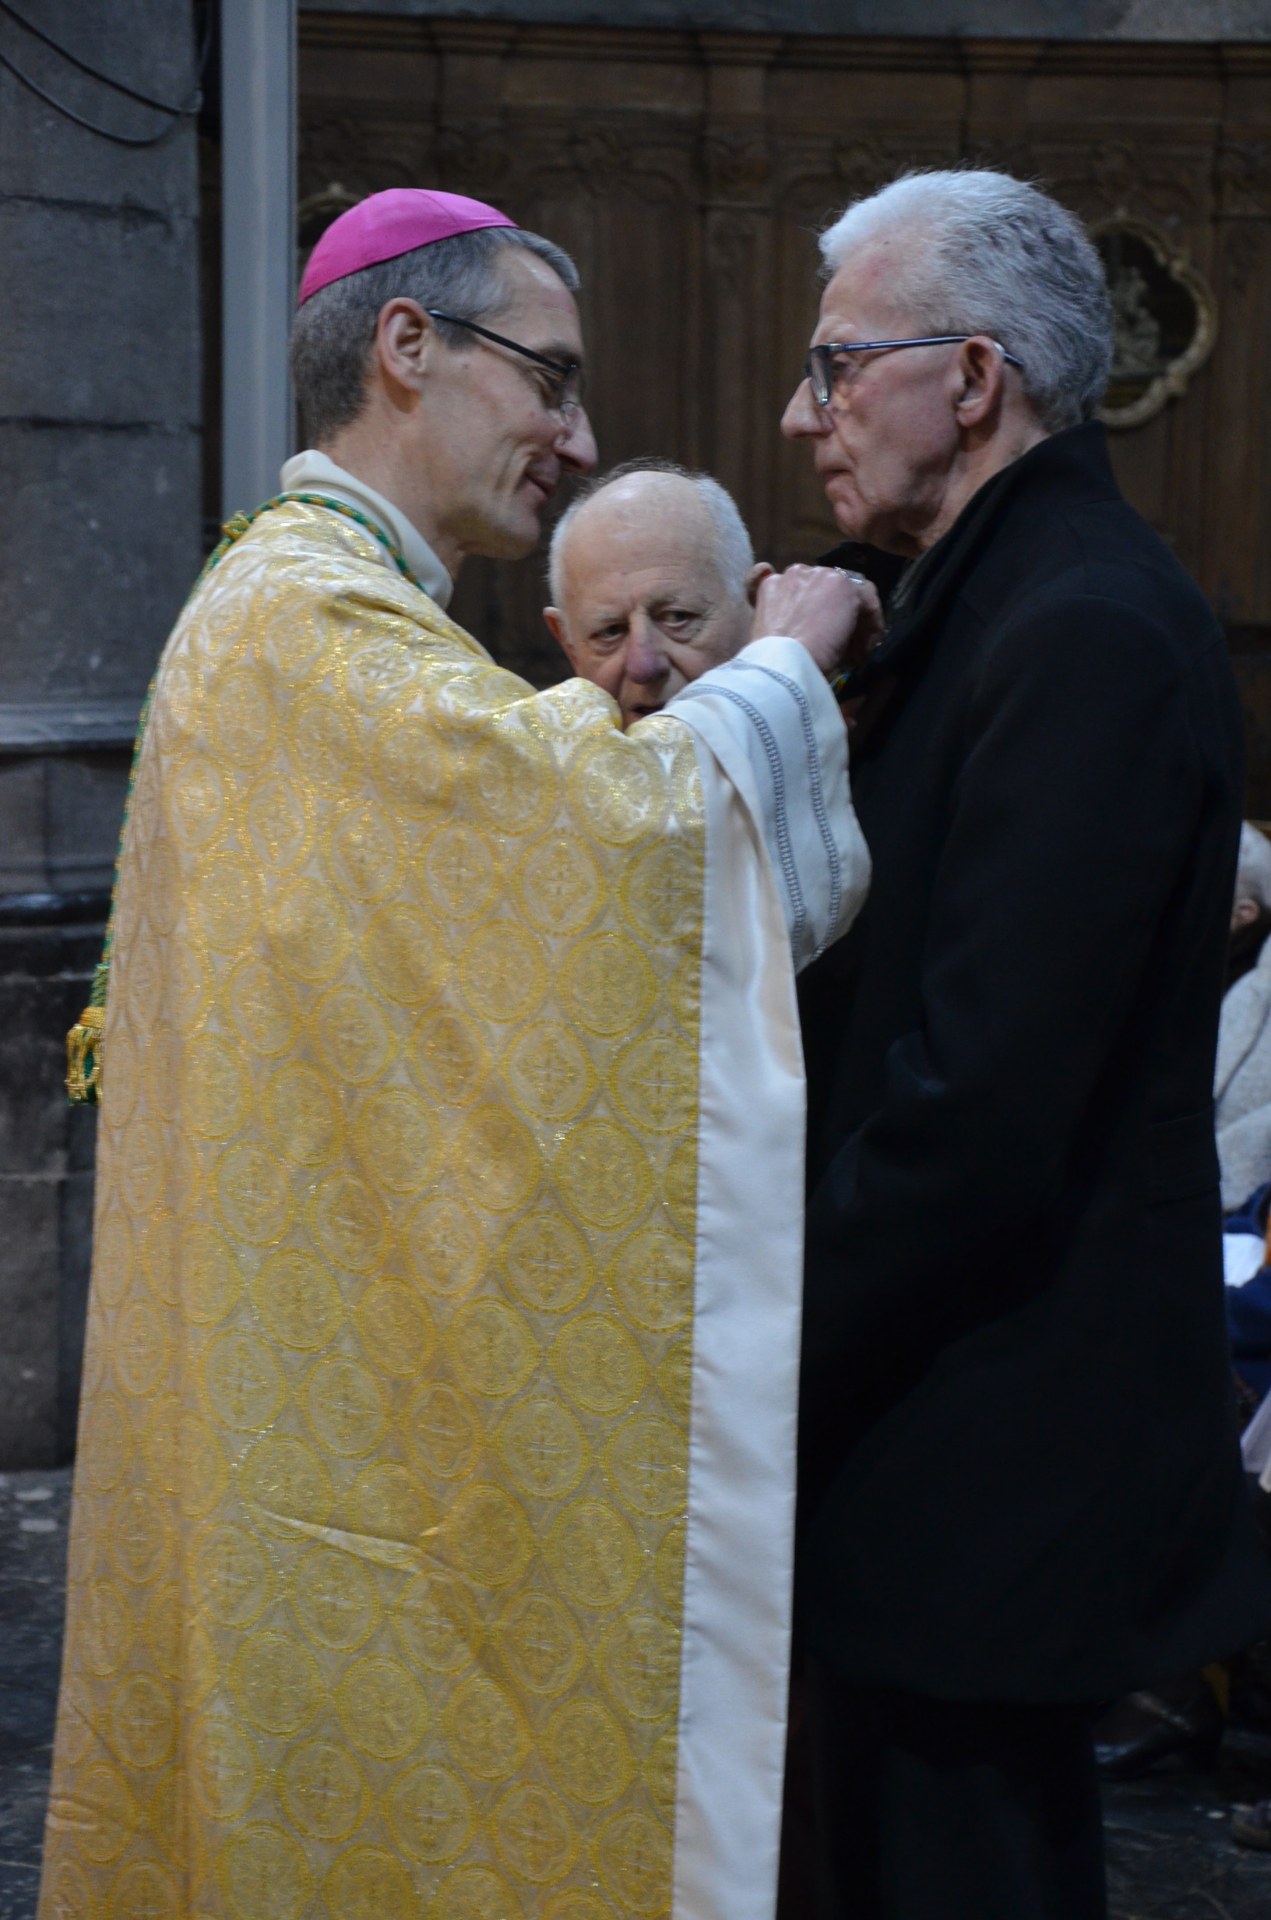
(1019,1470)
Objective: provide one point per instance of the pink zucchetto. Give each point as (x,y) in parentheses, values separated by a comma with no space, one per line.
(388,224)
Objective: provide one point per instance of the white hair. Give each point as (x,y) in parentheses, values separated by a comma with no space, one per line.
(734,553)
(1253,870)
(1000,258)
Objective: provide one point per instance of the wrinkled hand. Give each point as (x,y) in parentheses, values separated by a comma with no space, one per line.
(837,616)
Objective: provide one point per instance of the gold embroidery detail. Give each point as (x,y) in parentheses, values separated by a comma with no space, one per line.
(594,1555)
(297,1300)
(547,1262)
(367,1884)
(396,1329)
(430,1812)
(487,1735)
(544,1448)
(534,1834)
(603,1173)
(322,1790)
(588,1753)
(541,1644)
(381,1708)
(334,1600)
(275,1682)
(263,1874)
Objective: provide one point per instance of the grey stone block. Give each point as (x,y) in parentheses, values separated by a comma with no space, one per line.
(29,1286)
(100,540)
(44,156)
(83,808)
(46,1181)
(149,44)
(60,816)
(46,1187)
(81,1122)
(101,321)
(32,1066)
(23,868)
(99,544)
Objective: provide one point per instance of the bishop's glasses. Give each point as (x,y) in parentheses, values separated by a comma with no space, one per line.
(562,395)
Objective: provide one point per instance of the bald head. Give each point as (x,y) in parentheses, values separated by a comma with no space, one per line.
(651,576)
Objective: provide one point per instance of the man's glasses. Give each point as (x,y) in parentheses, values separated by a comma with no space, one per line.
(820,368)
(562,394)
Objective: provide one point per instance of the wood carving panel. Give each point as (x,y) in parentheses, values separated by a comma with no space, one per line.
(688,174)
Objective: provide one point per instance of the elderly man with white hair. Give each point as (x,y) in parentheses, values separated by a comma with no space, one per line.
(1013,1505)
(653,579)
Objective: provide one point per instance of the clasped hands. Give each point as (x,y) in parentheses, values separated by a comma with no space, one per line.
(836,615)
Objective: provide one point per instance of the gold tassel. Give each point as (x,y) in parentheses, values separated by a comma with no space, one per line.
(84,1058)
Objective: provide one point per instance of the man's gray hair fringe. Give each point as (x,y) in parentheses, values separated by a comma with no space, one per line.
(334,331)
(1003,259)
(733,548)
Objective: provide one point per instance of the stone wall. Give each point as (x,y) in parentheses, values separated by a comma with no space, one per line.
(1178,20)
(99,539)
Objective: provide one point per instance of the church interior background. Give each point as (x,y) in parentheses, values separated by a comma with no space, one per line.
(686,152)
(688,174)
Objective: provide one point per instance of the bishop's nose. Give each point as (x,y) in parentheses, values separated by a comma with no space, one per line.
(577,449)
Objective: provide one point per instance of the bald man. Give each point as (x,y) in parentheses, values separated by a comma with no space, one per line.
(653,580)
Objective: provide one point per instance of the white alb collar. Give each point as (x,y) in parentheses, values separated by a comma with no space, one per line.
(314,472)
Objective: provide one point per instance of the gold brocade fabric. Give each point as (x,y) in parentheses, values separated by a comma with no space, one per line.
(377,1552)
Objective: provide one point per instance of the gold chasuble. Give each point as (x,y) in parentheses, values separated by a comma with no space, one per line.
(398,1371)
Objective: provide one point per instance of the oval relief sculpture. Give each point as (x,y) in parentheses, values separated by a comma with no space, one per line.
(1165,316)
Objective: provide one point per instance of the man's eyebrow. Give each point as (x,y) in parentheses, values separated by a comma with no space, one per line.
(695,599)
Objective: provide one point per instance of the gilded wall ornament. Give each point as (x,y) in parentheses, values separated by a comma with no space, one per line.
(1165,316)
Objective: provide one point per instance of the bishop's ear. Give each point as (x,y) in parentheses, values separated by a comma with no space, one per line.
(402,336)
(755,579)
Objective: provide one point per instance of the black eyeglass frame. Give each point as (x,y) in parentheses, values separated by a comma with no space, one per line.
(819,357)
(564,369)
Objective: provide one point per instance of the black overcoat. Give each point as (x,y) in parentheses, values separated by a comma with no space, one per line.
(1019,1471)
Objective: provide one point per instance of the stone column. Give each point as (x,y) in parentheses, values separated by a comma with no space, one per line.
(258,255)
(99,542)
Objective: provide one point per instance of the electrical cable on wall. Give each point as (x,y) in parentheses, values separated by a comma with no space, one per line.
(174,114)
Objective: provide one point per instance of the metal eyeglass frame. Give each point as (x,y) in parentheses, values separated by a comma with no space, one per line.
(819,374)
(565,370)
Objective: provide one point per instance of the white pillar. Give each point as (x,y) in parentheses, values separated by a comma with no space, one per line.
(258,225)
